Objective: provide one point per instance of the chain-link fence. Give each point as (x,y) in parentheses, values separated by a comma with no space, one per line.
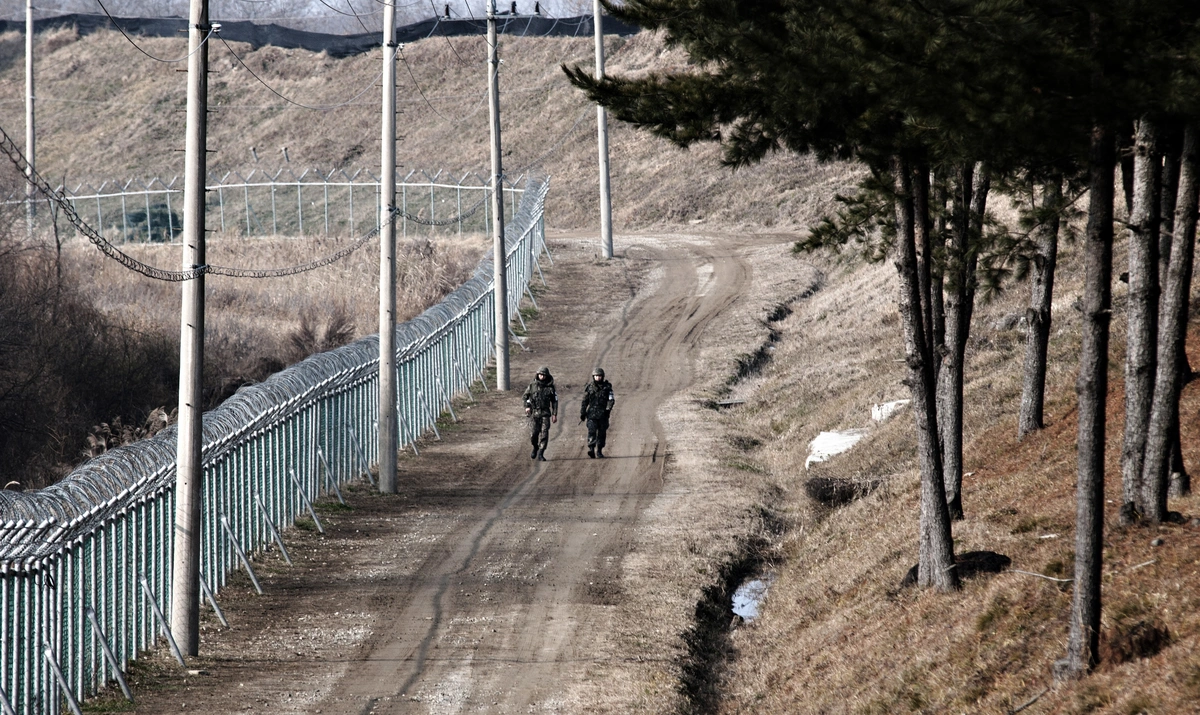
(85,564)
(285,203)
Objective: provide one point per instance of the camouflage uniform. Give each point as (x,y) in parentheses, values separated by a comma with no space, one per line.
(598,400)
(541,404)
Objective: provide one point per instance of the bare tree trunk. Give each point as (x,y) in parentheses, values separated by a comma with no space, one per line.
(1181,481)
(1037,341)
(1125,157)
(949,378)
(970,204)
(1170,147)
(936,560)
(1140,352)
(936,282)
(924,248)
(1092,388)
(1172,331)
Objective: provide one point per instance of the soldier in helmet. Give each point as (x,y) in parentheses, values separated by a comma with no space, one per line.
(541,404)
(598,399)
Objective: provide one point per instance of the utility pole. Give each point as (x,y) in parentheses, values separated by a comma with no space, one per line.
(499,258)
(30,134)
(387,259)
(606,243)
(185,577)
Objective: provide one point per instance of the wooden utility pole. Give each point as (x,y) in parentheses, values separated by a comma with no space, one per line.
(501,279)
(606,241)
(185,577)
(30,133)
(387,260)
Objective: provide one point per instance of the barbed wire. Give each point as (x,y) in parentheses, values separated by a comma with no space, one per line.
(305,267)
(9,148)
(471,211)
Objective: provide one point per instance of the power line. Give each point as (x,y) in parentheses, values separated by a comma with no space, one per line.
(453,49)
(400,53)
(8,147)
(120,29)
(471,211)
(556,145)
(353,13)
(319,108)
(305,267)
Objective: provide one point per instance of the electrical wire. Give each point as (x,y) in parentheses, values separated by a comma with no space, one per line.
(453,49)
(318,108)
(352,12)
(138,47)
(400,52)
(556,145)
(9,147)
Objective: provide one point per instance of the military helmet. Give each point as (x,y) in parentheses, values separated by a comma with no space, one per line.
(598,372)
(543,370)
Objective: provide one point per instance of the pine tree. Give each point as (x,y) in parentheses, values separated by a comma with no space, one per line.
(1044,262)
(1142,311)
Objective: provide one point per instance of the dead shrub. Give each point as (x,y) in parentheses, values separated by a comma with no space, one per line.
(59,38)
(833,492)
(106,436)
(316,336)
(64,365)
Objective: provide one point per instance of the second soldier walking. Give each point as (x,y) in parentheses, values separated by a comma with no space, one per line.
(541,405)
(598,400)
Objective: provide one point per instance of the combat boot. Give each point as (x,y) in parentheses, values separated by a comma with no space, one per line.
(533,454)
(600,452)
(591,452)
(541,455)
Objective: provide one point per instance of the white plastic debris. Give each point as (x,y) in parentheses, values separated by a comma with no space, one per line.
(883,411)
(828,444)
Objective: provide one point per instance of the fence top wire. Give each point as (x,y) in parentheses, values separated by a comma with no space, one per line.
(36,524)
(282,177)
(9,147)
(107,248)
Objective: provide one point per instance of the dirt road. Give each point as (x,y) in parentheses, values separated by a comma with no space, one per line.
(494,583)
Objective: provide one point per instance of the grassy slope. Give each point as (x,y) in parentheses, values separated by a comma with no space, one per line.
(837,635)
(122,120)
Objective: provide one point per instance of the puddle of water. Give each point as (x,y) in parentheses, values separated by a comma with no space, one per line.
(748,596)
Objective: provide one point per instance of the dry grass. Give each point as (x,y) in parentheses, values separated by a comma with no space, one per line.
(108,112)
(839,635)
(254,326)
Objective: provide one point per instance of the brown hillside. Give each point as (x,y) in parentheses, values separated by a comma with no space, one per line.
(107,111)
(837,634)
